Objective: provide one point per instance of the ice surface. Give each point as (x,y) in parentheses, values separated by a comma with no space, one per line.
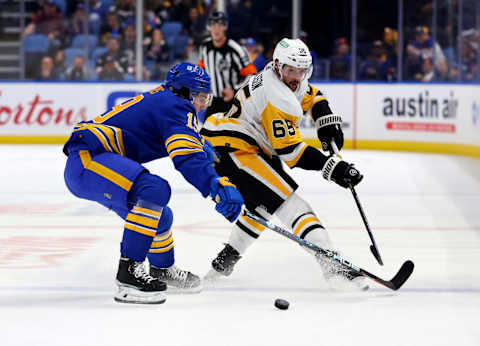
(59,254)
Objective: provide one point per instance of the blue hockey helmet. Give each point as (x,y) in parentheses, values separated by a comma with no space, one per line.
(188,76)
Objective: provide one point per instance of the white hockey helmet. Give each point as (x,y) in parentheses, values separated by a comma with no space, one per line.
(294,53)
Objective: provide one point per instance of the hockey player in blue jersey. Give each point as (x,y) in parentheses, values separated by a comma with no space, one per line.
(104,165)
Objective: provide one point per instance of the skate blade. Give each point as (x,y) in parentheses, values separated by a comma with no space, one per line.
(189,290)
(132,295)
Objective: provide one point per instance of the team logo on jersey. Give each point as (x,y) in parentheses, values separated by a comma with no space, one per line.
(223,65)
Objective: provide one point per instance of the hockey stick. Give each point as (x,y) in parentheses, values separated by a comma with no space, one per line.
(373,247)
(394,284)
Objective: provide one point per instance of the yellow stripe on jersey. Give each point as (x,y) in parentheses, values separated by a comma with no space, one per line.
(294,161)
(162,249)
(182,143)
(303,223)
(263,171)
(184,152)
(103,171)
(233,142)
(149,212)
(280,127)
(110,132)
(142,220)
(111,137)
(219,121)
(141,230)
(312,96)
(181,136)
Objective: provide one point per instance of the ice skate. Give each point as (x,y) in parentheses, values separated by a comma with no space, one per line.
(178,280)
(226,260)
(339,278)
(136,286)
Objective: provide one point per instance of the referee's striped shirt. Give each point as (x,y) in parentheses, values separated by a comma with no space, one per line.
(227,65)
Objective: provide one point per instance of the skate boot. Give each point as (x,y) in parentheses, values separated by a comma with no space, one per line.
(136,286)
(177,279)
(226,260)
(339,278)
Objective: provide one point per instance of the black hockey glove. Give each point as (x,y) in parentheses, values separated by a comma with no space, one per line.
(341,172)
(328,129)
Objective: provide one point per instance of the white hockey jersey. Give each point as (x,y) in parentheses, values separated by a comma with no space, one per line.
(264,117)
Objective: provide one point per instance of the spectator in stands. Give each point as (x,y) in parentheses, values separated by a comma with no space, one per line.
(192,53)
(341,60)
(390,44)
(59,66)
(255,52)
(424,46)
(127,45)
(46,71)
(49,22)
(79,70)
(376,65)
(157,50)
(110,70)
(114,52)
(303,35)
(125,10)
(427,71)
(111,28)
(79,21)
(469,67)
(98,11)
(196,25)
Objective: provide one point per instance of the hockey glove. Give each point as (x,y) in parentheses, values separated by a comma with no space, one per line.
(212,155)
(328,129)
(228,198)
(341,172)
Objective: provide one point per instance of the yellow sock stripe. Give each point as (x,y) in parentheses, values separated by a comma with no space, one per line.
(162,237)
(158,244)
(161,250)
(149,212)
(103,171)
(137,229)
(181,136)
(142,220)
(304,222)
(185,152)
(253,223)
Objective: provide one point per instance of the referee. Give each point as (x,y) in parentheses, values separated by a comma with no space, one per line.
(225,61)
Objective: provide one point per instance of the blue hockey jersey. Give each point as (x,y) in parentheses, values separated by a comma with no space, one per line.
(150,126)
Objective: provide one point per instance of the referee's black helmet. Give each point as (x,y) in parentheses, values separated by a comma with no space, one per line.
(218,17)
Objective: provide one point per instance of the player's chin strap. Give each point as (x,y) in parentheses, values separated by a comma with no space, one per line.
(398,280)
(373,247)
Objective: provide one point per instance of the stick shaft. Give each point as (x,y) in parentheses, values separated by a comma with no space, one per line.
(374,247)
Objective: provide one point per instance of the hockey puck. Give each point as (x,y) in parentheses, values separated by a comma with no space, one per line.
(281,304)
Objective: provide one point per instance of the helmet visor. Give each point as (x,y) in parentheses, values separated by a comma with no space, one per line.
(202,99)
(292,72)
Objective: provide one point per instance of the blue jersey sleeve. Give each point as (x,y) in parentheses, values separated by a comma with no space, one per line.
(185,147)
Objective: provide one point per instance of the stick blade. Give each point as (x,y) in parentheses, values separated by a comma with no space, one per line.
(376,254)
(403,274)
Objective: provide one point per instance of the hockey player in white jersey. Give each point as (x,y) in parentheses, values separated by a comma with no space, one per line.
(261,129)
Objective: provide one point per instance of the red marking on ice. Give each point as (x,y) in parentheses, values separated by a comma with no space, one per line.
(27,252)
(31,209)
